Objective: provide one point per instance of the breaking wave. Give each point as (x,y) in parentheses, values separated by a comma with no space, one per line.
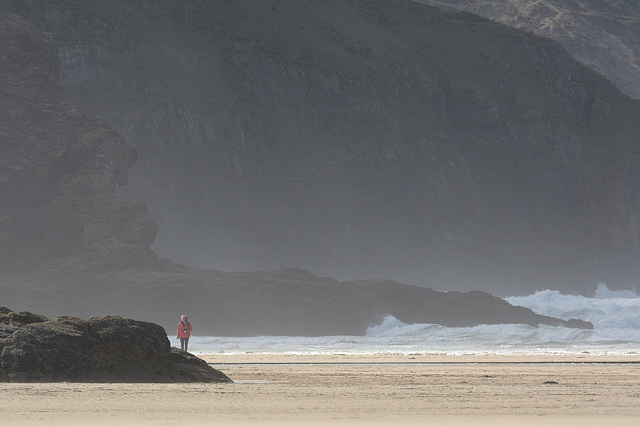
(614,314)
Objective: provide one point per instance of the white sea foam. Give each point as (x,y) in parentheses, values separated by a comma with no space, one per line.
(614,314)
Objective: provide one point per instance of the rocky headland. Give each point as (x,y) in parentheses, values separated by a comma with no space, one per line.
(101,349)
(484,157)
(286,301)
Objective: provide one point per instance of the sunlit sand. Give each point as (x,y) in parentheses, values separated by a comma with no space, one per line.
(354,390)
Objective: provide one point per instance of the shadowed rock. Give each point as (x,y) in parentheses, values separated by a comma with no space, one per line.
(191,368)
(101,349)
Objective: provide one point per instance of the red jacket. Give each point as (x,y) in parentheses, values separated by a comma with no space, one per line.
(184,330)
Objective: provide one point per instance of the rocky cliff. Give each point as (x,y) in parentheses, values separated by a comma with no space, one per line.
(359,139)
(70,246)
(59,169)
(601,34)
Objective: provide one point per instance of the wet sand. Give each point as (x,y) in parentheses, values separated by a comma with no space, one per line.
(347,390)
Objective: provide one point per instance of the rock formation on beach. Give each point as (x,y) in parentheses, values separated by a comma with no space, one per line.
(101,349)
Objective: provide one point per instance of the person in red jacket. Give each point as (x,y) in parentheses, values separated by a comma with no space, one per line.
(184,332)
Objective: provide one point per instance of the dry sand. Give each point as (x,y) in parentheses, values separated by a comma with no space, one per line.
(345,390)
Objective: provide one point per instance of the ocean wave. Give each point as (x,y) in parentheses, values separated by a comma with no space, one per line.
(614,314)
(603,292)
(619,309)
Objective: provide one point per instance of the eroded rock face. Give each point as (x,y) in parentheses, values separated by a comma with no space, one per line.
(101,349)
(59,169)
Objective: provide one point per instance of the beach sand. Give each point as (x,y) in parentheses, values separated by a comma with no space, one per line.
(343,390)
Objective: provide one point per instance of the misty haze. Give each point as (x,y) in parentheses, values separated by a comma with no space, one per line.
(335,212)
(250,165)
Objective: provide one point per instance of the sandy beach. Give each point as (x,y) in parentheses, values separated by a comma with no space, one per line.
(345,390)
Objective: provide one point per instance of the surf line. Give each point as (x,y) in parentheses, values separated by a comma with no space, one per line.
(560,362)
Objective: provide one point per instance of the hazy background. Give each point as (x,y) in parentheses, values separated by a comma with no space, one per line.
(362,139)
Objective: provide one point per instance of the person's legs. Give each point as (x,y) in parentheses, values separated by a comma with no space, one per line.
(183,343)
(186,344)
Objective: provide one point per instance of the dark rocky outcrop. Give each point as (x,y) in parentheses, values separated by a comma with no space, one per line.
(101,349)
(185,367)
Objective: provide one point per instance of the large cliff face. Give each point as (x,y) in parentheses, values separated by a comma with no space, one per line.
(360,139)
(601,34)
(59,169)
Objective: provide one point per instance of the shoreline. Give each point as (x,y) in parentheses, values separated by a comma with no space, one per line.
(398,358)
(353,390)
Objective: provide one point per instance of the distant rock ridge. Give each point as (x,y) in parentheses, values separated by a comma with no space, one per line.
(101,349)
(601,35)
(286,301)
